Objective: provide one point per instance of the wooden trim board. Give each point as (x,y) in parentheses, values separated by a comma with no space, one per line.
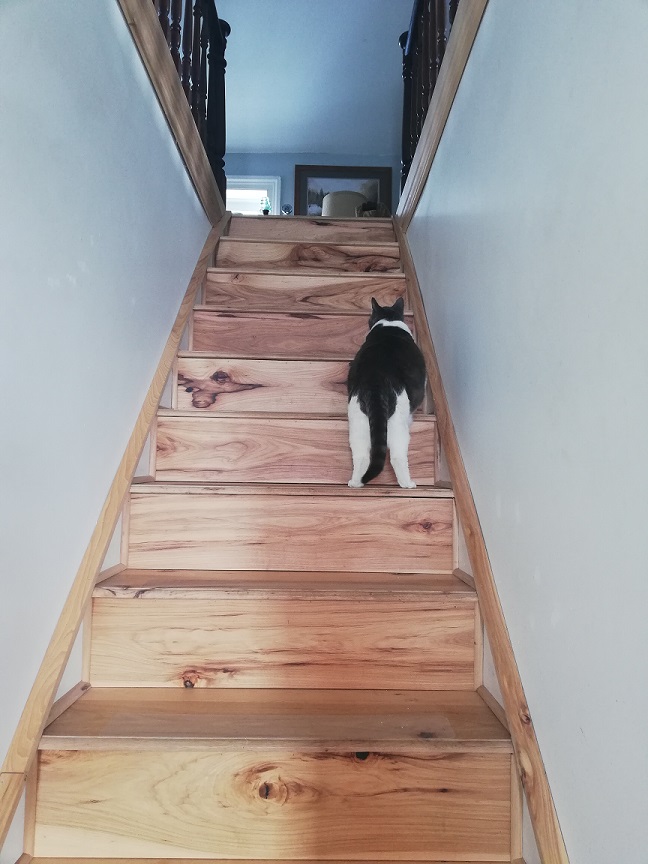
(529,759)
(11,790)
(462,36)
(154,51)
(67,699)
(24,744)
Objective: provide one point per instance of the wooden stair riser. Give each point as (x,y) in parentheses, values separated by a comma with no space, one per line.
(285,532)
(301,335)
(319,230)
(277,805)
(309,257)
(423,645)
(305,387)
(272,292)
(267,450)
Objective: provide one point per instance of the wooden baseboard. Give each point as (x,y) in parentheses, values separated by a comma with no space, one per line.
(24,744)
(529,760)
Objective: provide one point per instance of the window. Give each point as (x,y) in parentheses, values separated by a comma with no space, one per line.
(245,195)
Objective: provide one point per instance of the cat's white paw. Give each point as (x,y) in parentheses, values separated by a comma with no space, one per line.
(410,485)
(355,485)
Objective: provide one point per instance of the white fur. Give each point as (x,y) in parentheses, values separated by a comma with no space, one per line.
(360,441)
(401,324)
(398,434)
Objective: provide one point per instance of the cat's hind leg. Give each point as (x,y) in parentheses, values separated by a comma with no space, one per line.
(360,441)
(398,436)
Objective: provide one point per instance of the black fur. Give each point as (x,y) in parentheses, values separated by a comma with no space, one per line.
(388,362)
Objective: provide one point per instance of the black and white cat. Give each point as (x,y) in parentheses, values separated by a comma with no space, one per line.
(386,385)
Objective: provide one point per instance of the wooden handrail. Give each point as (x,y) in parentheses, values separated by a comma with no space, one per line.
(24,744)
(527,751)
(152,45)
(462,36)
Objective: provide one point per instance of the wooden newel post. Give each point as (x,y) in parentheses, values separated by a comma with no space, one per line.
(215,130)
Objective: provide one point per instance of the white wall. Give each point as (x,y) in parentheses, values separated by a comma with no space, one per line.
(531,242)
(100,231)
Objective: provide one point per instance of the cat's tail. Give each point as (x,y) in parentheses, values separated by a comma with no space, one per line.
(377,416)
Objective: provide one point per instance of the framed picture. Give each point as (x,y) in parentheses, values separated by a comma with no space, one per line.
(313,182)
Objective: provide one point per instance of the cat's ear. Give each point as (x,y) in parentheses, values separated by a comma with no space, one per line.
(374,306)
(399,306)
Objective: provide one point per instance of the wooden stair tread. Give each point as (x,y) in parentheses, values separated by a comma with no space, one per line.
(279,315)
(250,242)
(272,415)
(287,489)
(291,585)
(280,335)
(277,273)
(302,720)
(68,860)
(274,291)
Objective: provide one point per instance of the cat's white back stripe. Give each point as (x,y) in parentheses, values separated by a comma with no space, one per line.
(401,324)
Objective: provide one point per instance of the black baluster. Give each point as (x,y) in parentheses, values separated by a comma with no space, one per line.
(215,133)
(175,31)
(406,159)
(163,15)
(452,11)
(426,52)
(187,36)
(195,61)
(440,14)
(202,78)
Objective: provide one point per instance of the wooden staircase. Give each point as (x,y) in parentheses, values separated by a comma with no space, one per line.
(287,668)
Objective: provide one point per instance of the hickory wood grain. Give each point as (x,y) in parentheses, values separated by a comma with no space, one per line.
(462,36)
(290,489)
(27,859)
(309,257)
(312,229)
(543,814)
(300,386)
(280,335)
(154,51)
(262,450)
(24,744)
(383,721)
(300,292)
(290,532)
(280,805)
(422,644)
(283,584)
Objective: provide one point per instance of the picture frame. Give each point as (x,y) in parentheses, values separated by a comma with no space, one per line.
(312,182)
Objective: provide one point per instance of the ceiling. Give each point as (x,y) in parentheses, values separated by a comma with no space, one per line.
(314,76)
